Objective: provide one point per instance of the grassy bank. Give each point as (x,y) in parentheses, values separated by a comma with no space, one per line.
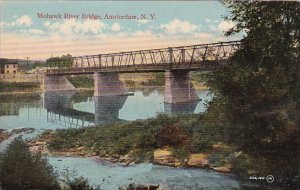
(6,87)
(139,137)
(180,136)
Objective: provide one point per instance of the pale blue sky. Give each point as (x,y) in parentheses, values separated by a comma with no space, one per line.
(177,23)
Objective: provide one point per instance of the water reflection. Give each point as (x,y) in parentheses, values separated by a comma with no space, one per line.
(183,107)
(107,108)
(53,110)
(60,109)
(11,104)
(59,106)
(56,101)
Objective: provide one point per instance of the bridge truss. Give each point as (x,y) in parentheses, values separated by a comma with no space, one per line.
(173,58)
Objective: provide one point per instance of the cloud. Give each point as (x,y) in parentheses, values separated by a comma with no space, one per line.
(207,20)
(204,36)
(35,31)
(38,46)
(73,37)
(213,28)
(47,24)
(225,25)
(72,26)
(24,20)
(116,27)
(32,31)
(143,21)
(179,26)
(143,33)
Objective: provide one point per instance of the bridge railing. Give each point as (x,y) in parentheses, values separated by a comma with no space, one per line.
(171,57)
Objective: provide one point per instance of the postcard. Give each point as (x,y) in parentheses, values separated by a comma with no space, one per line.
(160,95)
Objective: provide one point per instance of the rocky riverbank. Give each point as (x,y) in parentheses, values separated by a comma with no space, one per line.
(164,156)
(40,145)
(196,160)
(6,134)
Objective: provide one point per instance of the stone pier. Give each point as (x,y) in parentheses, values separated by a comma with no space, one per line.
(178,87)
(108,84)
(56,83)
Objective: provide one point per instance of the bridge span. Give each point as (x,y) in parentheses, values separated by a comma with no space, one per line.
(176,62)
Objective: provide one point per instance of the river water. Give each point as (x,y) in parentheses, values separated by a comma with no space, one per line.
(81,109)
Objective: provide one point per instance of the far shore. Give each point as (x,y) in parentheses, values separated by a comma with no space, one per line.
(22,92)
(197,86)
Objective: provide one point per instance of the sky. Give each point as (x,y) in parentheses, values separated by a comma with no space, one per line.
(28,29)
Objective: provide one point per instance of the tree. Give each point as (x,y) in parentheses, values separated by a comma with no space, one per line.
(259,88)
(63,61)
(19,169)
(259,85)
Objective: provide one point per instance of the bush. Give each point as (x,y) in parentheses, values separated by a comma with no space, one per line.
(19,169)
(78,183)
(133,186)
(172,135)
(129,83)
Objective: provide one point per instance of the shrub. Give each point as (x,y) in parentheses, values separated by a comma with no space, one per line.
(19,169)
(129,83)
(172,135)
(78,183)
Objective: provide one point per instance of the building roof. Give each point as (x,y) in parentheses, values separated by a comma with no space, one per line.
(4,61)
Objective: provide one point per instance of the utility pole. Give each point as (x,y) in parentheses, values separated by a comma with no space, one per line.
(27,61)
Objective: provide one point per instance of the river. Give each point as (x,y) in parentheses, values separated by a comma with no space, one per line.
(80,109)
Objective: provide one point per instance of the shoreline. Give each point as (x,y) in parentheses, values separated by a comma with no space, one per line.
(22,92)
(197,86)
(162,156)
(127,161)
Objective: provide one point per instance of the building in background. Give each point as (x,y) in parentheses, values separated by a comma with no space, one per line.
(8,68)
(19,70)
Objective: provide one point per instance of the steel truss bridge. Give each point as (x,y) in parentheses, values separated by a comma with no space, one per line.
(193,57)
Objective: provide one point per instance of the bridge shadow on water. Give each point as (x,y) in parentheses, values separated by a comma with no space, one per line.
(60,109)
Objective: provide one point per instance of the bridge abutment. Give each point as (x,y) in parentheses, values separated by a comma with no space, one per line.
(108,84)
(56,83)
(178,87)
